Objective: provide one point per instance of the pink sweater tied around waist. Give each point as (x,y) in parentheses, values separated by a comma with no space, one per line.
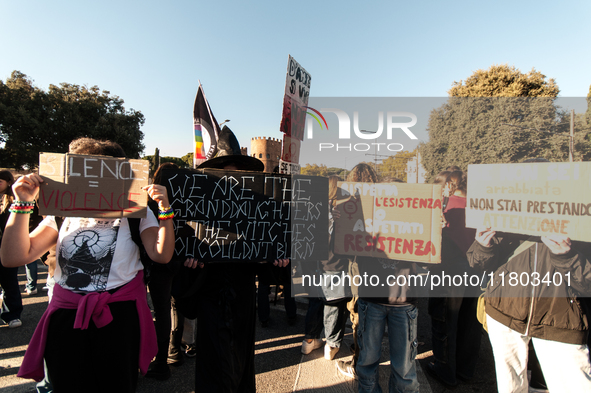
(93,306)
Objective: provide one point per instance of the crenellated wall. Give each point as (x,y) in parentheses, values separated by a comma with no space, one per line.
(266,149)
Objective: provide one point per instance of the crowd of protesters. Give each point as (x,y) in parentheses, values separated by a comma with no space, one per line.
(98,319)
(539,340)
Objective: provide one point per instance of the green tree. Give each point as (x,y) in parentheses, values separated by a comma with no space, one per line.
(588,113)
(336,171)
(505,81)
(499,115)
(188,159)
(155,162)
(33,120)
(395,166)
(163,159)
(314,170)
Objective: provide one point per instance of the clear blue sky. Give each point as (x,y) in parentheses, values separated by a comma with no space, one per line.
(152,53)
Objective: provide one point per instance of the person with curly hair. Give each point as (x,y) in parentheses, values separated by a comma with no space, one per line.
(97,330)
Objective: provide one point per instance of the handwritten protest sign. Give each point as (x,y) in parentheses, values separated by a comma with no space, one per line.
(297,91)
(389,220)
(531,198)
(248,216)
(92,186)
(289,168)
(291,150)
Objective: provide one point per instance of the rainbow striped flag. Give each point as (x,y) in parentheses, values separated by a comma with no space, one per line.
(205,129)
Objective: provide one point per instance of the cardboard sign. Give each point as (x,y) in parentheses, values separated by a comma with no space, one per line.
(297,83)
(389,220)
(297,91)
(288,168)
(240,216)
(92,186)
(531,198)
(291,150)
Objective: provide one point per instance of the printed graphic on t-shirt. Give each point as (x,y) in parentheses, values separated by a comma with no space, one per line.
(86,254)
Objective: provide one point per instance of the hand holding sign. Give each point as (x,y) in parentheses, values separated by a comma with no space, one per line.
(281,262)
(193,263)
(158,194)
(336,213)
(484,236)
(558,244)
(26,187)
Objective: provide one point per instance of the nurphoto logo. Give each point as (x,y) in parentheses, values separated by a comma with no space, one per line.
(393,123)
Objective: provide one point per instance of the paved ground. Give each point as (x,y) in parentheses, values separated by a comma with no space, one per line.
(280,366)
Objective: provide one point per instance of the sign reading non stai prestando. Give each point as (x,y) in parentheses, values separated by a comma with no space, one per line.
(531,198)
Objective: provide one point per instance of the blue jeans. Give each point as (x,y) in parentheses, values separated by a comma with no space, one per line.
(332,317)
(402,337)
(31,270)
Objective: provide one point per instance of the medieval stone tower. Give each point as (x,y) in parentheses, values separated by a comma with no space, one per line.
(268,150)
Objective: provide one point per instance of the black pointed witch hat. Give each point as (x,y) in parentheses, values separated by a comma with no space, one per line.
(228,152)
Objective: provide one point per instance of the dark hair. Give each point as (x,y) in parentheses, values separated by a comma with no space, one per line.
(96,147)
(362,173)
(457,181)
(8,196)
(453,168)
(158,173)
(441,177)
(7,176)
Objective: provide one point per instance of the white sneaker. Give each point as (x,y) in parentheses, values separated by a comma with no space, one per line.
(309,347)
(330,352)
(15,323)
(31,291)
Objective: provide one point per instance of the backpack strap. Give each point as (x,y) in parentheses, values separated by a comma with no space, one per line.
(59,222)
(50,256)
(134,228)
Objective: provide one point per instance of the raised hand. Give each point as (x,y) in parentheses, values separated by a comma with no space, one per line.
(558,244)
(26,187)
(158,193)
(484,236)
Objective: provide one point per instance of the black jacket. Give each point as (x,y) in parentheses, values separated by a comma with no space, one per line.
(529,289)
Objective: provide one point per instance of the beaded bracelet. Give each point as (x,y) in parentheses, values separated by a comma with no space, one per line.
(24,203)
(21,209)
(165,214)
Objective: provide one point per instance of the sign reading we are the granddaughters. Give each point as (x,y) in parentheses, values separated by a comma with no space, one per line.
(223,216)
(78,185)
(531,198)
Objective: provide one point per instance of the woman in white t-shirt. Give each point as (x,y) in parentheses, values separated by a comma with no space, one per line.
(97,330)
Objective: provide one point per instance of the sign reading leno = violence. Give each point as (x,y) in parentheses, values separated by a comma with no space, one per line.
(531,198)
(248,216)
(389,220)
(92,186)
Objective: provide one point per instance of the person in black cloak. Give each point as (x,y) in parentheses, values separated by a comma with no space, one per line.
(226,302)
